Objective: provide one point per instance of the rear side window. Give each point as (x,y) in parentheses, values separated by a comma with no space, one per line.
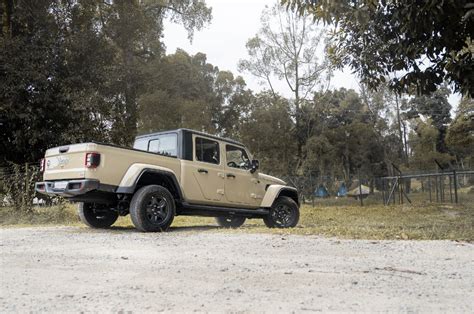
(207,150)
(141,144)
(166,144)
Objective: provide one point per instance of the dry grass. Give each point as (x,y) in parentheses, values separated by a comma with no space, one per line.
(427,221)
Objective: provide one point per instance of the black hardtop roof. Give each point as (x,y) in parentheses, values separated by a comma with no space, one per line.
(228,140)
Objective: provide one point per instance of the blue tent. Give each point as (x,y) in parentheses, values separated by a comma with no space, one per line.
(342,191)
(321,192)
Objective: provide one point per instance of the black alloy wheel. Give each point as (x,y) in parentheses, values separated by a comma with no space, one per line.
(283,214)
(152,208)
(157,209)
(96,216)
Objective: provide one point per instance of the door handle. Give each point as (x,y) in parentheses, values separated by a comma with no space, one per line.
(230,175)
(202,170)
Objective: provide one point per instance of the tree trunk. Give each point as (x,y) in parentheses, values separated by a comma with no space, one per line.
(7,18)
(400,131)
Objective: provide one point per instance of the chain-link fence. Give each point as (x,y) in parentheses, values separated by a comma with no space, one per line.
(447,186)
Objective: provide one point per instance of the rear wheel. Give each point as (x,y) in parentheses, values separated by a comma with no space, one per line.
(96,216)
(283,214)
(152,209)
(230,222)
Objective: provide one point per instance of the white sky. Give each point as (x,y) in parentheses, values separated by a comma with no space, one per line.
(223,41)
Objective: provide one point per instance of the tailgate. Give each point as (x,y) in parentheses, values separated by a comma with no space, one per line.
(66,162)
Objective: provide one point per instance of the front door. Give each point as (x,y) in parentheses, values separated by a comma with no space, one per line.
(240,183)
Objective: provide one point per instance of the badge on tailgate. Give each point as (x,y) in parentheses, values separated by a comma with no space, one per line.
(59,161)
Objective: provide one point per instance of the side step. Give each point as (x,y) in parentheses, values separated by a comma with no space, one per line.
(187,209)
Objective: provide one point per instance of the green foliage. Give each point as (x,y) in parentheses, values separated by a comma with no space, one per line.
(342,137)
(267,131)
(73,71)
(286,48)
(187,91)
(437,108)
(427,41)
(460,134)
(424,141)
(19,187)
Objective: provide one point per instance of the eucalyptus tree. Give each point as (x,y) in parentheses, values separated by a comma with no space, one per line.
(423,42)
(288,48)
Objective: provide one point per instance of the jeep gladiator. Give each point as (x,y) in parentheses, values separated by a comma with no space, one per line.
(178,172)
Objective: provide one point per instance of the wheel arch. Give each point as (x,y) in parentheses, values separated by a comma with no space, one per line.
(275,191)
(149,176)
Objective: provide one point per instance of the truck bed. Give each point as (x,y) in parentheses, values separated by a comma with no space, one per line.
(68,162)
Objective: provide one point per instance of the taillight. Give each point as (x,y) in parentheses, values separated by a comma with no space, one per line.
(42,165)
(92,160)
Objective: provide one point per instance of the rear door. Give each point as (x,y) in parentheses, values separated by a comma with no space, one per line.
(203,178)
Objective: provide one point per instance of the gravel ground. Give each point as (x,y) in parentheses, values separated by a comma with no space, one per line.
(64,269)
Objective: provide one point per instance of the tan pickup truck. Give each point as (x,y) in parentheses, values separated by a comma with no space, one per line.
(179,172)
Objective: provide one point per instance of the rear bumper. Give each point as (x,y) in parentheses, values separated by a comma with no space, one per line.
(69,188)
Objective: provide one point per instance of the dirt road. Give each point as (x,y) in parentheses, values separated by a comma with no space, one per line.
(77,269)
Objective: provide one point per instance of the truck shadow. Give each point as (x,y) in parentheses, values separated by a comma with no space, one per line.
(174,229)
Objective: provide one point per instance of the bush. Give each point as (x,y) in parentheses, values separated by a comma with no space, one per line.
(18,186)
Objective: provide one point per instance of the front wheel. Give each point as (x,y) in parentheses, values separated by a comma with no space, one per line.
(230,222)
(284,213)
(96,216)
(152,209)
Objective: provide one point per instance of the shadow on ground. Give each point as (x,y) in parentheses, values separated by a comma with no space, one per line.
(171,229)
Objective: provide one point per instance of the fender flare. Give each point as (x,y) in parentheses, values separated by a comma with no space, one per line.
(135,172)
(275,190)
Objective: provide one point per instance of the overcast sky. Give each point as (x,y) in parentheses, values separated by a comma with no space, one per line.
(223,41)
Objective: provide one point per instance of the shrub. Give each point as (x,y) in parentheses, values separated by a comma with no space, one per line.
(19,186)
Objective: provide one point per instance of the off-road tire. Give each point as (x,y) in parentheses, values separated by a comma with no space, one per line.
(152,209)
(95,216)
(284,213)
(230,222)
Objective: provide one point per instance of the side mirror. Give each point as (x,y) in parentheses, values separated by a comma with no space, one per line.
(254,165)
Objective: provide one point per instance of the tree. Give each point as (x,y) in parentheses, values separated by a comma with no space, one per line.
(187,91)
(267,133)
(72,71)
(426,42)
(287,48)
(460,134)
(342,138)
(53,67)
(436,107)
(423,141)
(135,28)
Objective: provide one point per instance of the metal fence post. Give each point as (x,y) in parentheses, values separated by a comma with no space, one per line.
(455,179)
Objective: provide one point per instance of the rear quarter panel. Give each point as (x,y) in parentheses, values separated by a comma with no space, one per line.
(114,163)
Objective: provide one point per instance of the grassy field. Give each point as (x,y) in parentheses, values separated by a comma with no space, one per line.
(348,220)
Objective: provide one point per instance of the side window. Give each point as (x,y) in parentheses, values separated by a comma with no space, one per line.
(164,145)
(141,144)
(236,157)
(207,150)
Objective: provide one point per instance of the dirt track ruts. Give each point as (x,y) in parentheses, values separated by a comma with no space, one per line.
(77,269)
